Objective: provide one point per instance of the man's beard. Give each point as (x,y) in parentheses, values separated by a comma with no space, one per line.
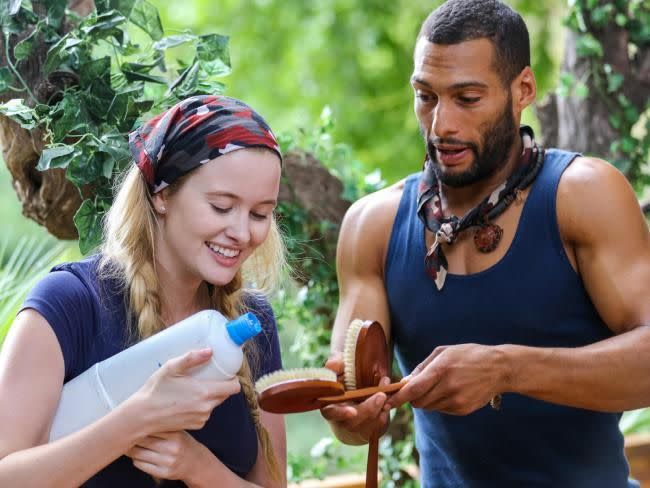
(496,142)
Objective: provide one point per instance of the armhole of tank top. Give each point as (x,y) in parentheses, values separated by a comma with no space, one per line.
(402,209)
(551,197)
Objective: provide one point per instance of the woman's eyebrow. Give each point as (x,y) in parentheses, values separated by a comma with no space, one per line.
(235,197)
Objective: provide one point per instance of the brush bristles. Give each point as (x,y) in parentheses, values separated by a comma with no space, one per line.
(349,352)
(283,375)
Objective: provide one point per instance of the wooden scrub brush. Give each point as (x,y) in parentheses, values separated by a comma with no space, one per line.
(366,361)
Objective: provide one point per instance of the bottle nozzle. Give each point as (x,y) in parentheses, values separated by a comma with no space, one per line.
(243,328)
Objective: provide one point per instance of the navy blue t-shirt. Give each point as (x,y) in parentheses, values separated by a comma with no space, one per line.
(88,316)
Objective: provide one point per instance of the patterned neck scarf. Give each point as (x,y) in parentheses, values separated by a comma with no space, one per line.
(447,229)
(193,132)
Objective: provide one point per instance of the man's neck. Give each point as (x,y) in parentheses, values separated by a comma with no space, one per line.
(459,201)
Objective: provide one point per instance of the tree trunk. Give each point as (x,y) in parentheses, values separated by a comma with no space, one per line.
(47,197)
(582,125)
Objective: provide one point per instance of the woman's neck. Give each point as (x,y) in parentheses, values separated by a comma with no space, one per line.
(180,298)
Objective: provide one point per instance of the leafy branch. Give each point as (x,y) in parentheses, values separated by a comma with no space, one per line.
(105,73)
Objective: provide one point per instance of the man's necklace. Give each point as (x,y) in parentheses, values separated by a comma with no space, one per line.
(488,234)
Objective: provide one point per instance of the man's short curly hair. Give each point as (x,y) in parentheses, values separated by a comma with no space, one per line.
(456,21)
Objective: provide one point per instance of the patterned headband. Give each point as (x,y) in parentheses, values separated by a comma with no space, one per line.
(193,132)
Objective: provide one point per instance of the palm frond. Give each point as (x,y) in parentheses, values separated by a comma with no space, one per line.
(21,268)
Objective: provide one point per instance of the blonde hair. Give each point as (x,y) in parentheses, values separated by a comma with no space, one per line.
(128,254)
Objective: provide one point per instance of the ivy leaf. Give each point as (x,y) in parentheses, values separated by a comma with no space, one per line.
(587,46)
(88,221)
(60,53)
(631,114)
(143,67)
(212,47)
(17,111)
(600,15)
(122,6)
(55,157)
(615,122)
(565,84)
(214,68)
(132,76)
(140,71)
(6,78)
(210,87)
(581,90)
(145,16)
(55,13)
(614,81)
(25,47)
(84,167)
(115,151)
(173,41)
(96,69)
(186,83)
(14,6)
(104,25)
(126,107)
(66,116)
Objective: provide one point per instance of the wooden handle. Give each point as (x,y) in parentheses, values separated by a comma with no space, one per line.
(372,467)
(362,393)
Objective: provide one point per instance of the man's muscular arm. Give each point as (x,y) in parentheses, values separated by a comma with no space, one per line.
(361,251)
(600,220)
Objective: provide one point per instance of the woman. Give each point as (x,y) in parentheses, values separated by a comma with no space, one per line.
(191,224)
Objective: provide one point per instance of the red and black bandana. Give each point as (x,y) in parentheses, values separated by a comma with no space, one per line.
(446,228)
(193,132)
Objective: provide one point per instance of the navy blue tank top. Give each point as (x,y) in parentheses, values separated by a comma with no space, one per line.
(531,297)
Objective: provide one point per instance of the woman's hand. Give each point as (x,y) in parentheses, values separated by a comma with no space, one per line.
(172,400)
(169,455)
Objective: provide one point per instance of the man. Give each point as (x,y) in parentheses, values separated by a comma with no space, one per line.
(512,281)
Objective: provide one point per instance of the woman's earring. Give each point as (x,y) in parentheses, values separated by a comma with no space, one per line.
(163,209)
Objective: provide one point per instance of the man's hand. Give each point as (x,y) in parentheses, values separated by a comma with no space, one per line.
(455,379)
(355,423)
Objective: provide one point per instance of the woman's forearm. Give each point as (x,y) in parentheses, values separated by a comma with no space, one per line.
(210,472)
(72,460)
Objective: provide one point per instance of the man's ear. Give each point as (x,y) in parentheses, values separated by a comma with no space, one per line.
(524,90)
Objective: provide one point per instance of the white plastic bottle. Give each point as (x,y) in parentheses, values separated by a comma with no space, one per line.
(103,386)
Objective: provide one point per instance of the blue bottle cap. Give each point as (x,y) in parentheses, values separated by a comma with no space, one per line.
(243,328)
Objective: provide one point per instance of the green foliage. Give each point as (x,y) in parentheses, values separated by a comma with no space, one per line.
(395,459)
(310,251)
(631,151)
(325,457)
(121,69)
(635,421)
(20,269)
(293,57)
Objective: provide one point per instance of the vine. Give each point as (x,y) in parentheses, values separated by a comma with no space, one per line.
(630,152)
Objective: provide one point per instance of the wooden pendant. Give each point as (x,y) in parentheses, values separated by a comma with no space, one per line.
(487,237)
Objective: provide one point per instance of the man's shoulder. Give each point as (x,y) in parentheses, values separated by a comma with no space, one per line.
(366,229)
(590,177)
(591,193)
(377,208)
